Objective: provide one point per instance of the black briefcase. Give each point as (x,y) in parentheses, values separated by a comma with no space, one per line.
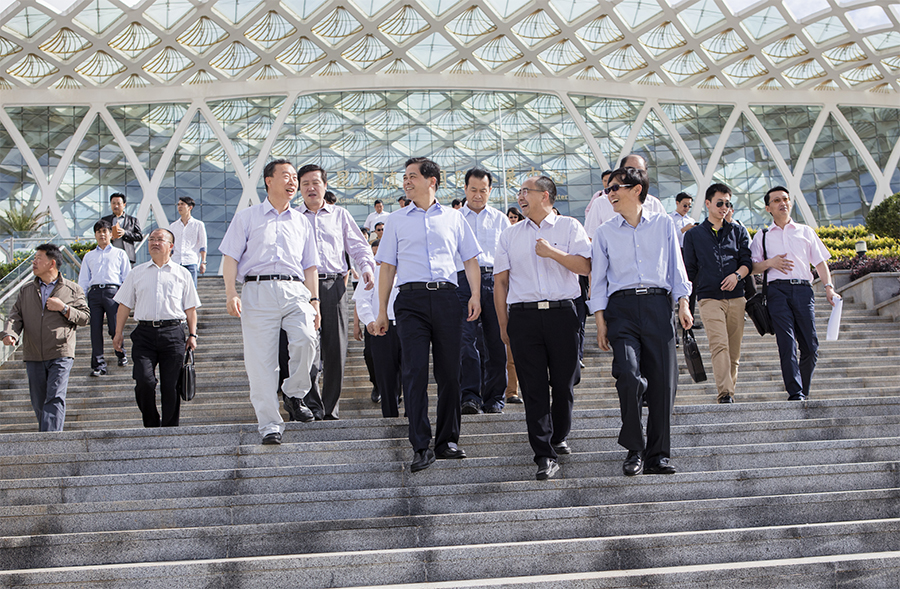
(187,380)
(758,311)
(692,356)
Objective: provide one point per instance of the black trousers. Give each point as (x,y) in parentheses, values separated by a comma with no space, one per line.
(544,344)
(640,331)
(367,356)
(152,347)
(482,356)
(430,319)
(100,302)
(386,353)
(793,311)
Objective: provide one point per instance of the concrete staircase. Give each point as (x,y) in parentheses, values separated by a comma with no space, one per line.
(768,492)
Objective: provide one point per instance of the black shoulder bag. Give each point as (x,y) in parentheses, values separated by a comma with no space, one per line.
(757,307)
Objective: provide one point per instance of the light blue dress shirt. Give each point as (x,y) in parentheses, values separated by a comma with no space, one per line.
(423,245)
(103,266)
(646,256)
(487,225)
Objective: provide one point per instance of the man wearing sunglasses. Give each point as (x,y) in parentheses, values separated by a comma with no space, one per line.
(637,272)
(602,211)
(717,259)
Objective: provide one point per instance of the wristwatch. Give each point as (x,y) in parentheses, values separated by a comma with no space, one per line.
(193,335)
(738,274)
(829,284)
(65,310)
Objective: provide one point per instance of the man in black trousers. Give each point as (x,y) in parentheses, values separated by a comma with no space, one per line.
(536,269)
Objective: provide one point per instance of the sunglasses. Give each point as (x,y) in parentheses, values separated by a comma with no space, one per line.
(724,203)
(615,187)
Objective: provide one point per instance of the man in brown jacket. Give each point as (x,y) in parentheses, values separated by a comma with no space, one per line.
(47,310)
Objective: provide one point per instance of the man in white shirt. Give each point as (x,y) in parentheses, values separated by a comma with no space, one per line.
(163,298)
(103,271)
(602,211)
(380,215)
(483,390)
(190,239)
(683,221)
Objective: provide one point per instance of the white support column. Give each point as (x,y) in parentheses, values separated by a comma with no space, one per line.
(250,196)
(882,185)
(585,131)
(636,128)
(803,159)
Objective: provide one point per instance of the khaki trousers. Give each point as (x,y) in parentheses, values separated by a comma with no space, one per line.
(723,321)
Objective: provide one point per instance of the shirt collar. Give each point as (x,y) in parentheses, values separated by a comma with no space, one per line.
(408,209)
(550,220)
(790,223)
(42,283)
(327,207)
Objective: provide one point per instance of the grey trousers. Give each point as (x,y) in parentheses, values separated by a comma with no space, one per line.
(47,382)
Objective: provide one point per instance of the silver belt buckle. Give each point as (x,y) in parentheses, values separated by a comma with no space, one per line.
(543,304)
(157,324)
(432,285)
(796,281)
(640,291)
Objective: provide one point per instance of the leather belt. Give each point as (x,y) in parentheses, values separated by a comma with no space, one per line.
(791,281)
(93,286)
(436,285)
(543,304)
(164,323)
(330,276)
(628,292)
(263,277)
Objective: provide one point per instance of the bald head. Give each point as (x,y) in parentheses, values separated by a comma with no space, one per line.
(633,160)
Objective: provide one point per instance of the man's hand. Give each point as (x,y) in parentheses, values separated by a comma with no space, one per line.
(117,231)
(368,280)
(781,263)
(234,305)
(190,343)
(202,269)
(543,248)
(318,321)
(602,339)
(474,309)
(372,329)
(381,324)
(55,304)
(684,313)
(829,294)
(729,283)
(357,332)
(119,341)
(9,340)
(503,335)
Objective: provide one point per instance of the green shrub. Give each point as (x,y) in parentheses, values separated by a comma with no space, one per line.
(884,220)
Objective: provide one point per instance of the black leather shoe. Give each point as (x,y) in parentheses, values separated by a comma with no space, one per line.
(123,361)
(724,400)
(450,453)
(547,467)
(297,409)
(633,465)
(376,396)
(98,372)
(661,466)
(562,448)
(272,439)
(493,409)
(798,397)
(514,399)
(318,415)
(422,460)
(470,408)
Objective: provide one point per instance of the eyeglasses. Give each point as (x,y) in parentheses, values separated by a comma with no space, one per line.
(724,203)
(523,191)
(615,187)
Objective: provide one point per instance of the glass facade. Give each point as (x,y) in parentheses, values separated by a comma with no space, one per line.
(213,151)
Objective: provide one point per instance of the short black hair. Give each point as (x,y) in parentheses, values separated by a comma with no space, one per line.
(377,202)
(269,170)
(776,189)
(377,224)
(117,195)
(546,184)
(717,187)
(330,198)
(605,174)
(187,200)
(515,211)
(634,176)
(428,169)
(102,224)
(312,168)
(479,173)
(375,243)
(682,196)
(51,250)
(625,159)
(456,203)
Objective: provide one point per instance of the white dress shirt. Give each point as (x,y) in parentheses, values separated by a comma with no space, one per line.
(367,301)
(158,293)
(190,240)
(264,241)
(602,211)
(531,277)
(801,244)
(103,266)
(375,218)
(335,233)
(681,221)
(487,225)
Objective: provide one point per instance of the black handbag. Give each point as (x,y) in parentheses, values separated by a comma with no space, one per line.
(692,356)
(187,380)
(757,306)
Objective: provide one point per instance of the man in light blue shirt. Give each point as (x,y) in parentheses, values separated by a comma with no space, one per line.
(103,271)
(482,390)
(637,271)
(420,245)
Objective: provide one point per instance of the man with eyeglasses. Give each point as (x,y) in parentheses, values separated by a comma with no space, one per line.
(717,259)
(637,273)
(271,248)
(420,247)
(790,249)
(163,297)
(536,269)
(601,211)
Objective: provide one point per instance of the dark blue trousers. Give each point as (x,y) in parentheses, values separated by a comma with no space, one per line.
(430,319)
(792,308)
(100,302)
(385,351)
(482,361)
(544,344)
(642,337)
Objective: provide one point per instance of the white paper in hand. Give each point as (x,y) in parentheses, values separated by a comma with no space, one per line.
(834,322)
